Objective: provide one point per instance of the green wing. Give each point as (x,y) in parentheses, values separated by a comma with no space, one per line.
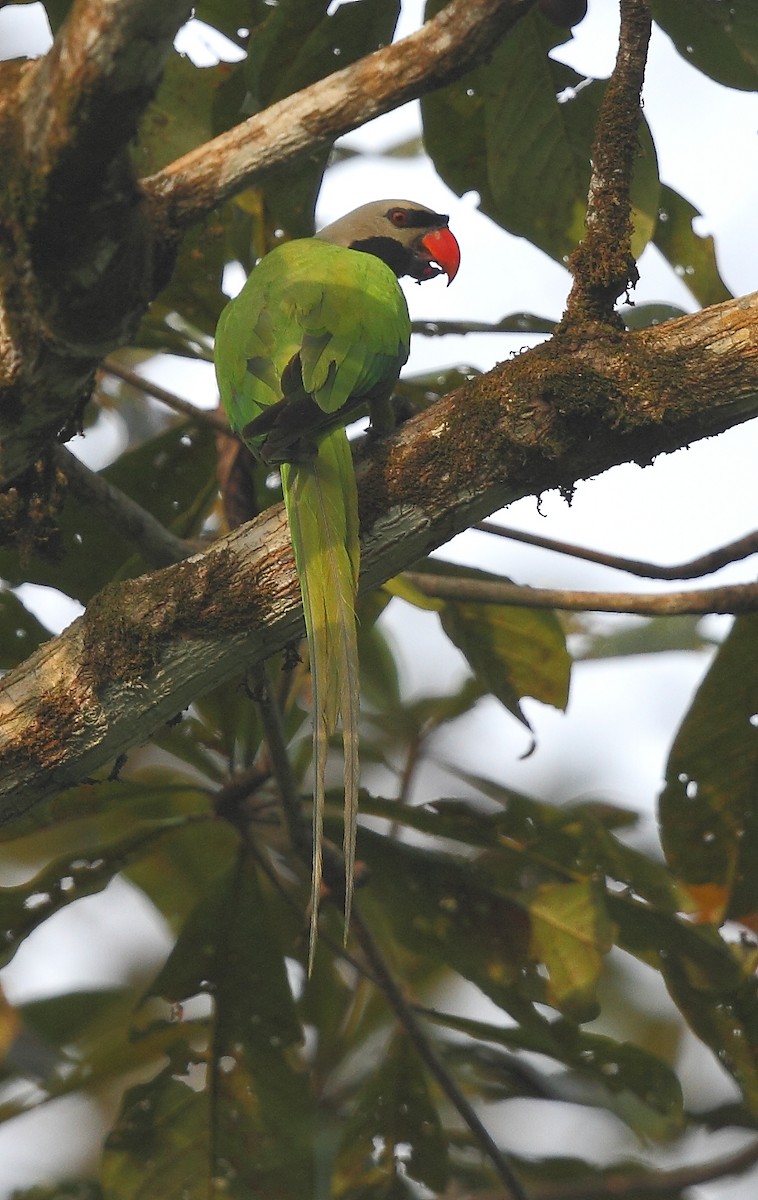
(338,315)
(316,331)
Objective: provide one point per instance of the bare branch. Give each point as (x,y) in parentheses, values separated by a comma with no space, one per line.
(518,322)
(462,35)
(210,417)
(734,598)
(70,708)
(704,564)
(602,265)
(617,1185)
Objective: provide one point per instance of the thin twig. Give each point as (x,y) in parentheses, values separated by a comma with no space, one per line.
(619,1185)
(276,744)
(157,545)
(704,564)
(426,1052)
(734,598)
(209,417)
(520,322)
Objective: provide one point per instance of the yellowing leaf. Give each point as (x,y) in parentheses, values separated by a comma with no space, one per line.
(570,933)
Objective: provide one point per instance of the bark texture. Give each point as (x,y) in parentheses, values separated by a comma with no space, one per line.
(563,411)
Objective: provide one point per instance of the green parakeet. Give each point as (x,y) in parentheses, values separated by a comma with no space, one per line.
(319,331)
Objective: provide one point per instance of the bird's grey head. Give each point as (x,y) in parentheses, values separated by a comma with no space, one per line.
(410,238)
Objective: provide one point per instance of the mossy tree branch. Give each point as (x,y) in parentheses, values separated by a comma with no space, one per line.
(80,262)
(602,265)
(147,647)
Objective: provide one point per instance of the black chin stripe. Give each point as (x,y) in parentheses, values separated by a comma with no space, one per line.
(392,252)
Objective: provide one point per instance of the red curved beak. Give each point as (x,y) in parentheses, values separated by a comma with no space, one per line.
(443,248)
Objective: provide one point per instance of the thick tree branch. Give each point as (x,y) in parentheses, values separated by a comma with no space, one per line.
(79,263)
(146,647)
(463,34)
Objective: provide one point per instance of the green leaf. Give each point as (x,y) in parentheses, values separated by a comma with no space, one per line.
(657,635)
(636,1085)
(693,257)
(642,316)
(230,15)
(721,40)
(448,910)
(513,652)
(179,117)
(725,1019)
(708,815)
(70,1189)
(182,318)
(297,45)
(711,981)
(570,933)
(519,130)
(228,728)
(24,907)
(395,1126)
(57,11)
(242,1126)
(20,631)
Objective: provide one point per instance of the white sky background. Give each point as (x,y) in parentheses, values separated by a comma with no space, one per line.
(614,739)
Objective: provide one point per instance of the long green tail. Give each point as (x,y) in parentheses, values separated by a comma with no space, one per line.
(322,508)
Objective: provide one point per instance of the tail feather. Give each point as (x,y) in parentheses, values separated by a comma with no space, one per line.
(322,507)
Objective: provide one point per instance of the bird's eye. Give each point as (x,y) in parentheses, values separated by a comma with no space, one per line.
(399,217)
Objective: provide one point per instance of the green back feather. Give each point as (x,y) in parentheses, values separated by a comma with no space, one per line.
(344,313)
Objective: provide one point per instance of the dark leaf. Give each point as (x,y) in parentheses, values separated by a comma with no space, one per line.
(519,131)
(240,1124)
(708,816)
(298,44)
(693,257)
(395,1126)
(20,631)
(637,1086)
(172,476)
(721,40)
(642,316)
(25,906)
